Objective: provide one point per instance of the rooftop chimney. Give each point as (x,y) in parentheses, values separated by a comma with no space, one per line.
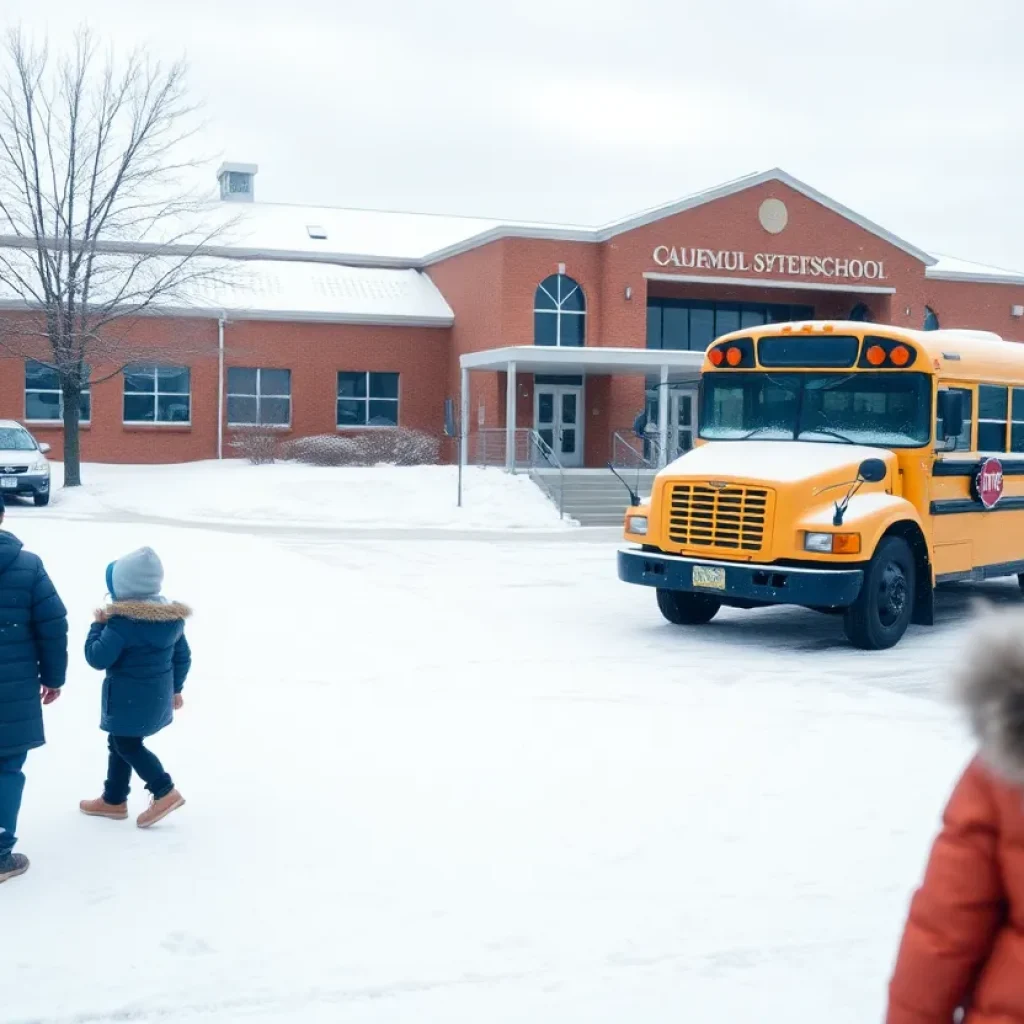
(237,182)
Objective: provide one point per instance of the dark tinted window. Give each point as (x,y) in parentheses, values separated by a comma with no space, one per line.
(992,409)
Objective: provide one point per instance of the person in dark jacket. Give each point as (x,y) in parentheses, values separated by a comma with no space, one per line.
(33,665)
(139,640)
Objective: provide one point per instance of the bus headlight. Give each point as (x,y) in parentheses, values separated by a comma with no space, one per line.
(637,525)
(832,543)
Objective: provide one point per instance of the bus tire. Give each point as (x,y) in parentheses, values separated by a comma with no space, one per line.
(885,605)
(683,609)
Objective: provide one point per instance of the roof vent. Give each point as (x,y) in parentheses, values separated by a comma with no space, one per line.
(316,231)
(237,182)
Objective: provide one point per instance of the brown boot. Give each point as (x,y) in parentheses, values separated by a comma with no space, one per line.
(101,809)
(159,809)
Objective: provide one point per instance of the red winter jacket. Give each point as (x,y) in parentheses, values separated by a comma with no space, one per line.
(963,947)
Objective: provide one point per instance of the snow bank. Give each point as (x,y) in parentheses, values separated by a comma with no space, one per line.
(309,496)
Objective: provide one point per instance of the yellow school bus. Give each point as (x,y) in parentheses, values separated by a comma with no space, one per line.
(846,467)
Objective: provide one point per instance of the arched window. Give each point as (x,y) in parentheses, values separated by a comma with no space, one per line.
(860,313)
(931,319)
(559,312)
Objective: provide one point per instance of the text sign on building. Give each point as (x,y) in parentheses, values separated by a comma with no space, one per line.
(832,267)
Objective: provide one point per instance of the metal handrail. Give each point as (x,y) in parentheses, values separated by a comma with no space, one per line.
(625,455)
(539,445)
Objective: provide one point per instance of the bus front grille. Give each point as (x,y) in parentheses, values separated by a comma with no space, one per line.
(730,518)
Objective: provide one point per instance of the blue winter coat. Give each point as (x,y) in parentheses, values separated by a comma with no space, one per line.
(33,645)
(142,647)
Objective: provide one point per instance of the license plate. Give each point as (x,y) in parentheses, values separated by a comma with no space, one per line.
(8,482)
(711,577)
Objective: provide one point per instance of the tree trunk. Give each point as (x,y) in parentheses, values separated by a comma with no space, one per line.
(71,392)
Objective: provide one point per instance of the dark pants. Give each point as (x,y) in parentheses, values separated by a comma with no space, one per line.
(12,785)
(127,754)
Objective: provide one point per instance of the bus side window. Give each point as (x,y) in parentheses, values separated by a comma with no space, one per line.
(992,417)
(1017,421)
(963,442)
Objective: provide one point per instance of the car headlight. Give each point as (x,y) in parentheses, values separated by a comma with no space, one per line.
(41,466)
(637,524)
(832,543)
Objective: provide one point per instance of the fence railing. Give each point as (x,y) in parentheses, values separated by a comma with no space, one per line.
(631,452)
(531,453)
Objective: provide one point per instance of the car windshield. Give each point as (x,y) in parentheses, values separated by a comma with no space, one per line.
(13,439)
(889,409)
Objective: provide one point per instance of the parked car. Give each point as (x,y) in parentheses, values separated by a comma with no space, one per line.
(24,468)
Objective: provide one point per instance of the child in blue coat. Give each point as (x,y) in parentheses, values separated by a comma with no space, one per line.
(139,640)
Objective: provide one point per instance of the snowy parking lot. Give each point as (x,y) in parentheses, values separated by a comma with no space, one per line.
(477,780)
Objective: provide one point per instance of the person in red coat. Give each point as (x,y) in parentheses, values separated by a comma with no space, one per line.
(962,953)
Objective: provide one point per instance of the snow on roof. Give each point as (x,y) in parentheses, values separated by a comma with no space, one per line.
(274,290)
(949,268)
(382,237)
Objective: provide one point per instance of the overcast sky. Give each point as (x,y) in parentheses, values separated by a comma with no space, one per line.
(586,110)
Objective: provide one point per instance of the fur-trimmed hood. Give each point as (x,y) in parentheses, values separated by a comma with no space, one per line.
(145,611)
(990,685)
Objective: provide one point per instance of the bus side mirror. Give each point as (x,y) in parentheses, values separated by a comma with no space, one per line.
(951,414)
(872,471)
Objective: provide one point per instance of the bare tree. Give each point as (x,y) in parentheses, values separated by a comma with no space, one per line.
(100,221)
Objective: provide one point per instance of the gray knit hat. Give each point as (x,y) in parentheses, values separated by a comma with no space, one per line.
(138,575)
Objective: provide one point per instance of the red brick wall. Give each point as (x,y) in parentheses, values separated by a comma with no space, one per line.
(313,352)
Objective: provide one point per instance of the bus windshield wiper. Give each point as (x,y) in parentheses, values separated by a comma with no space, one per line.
(826,430)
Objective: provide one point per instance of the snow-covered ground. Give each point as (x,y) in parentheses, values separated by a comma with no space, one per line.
(477,781)
(233,492)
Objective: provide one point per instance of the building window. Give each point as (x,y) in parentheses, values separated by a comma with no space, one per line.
(860,313)
(559,312)
(44,402)
(259,398)
(992,418)
(367,399)
(693,324)
(158,394)
(931,319)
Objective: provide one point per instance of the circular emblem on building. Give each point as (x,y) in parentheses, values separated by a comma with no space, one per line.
(773,216)
(988,484)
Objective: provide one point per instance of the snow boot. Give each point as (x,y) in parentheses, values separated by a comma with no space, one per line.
(101,809)
(12,865)
(159,809)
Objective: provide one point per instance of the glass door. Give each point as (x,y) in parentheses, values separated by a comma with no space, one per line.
(559,421)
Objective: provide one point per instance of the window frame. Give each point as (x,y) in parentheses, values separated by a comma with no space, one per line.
(1004,422)
(368,374)
(1014,422)
(559,311)
(258,396)
(84,421)
(157,393)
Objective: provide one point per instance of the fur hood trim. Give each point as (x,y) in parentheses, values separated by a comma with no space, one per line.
(990,685)
(145,611)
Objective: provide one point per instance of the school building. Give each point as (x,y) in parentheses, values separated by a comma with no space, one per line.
(337,320)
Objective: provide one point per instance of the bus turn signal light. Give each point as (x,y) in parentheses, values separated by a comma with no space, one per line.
(715,356)
(733,356)
(832,543)
(900,356)
(876,355)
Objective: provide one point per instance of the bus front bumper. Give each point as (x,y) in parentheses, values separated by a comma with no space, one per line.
(741,583)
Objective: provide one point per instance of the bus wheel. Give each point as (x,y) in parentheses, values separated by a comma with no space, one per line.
(682,609)
(885,604)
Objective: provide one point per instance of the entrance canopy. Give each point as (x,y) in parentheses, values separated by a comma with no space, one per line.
(671,365)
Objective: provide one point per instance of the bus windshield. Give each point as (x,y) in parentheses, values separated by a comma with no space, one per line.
(888,409)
